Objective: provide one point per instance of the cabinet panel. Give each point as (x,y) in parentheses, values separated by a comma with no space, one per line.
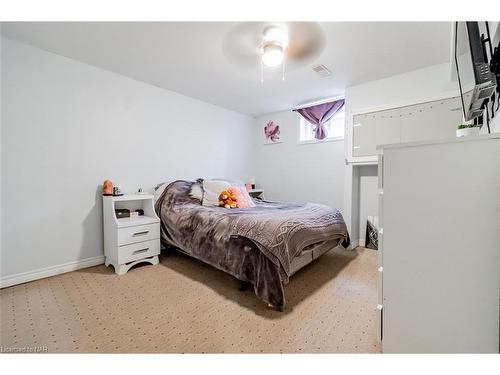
(441,282)
(419,122)
(373,129)
(434,120)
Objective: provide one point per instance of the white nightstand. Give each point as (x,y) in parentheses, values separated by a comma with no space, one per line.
(128,241)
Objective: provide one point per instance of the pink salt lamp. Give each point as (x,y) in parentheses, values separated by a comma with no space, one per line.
(107,188)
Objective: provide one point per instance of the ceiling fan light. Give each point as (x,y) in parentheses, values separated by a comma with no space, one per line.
(272,55)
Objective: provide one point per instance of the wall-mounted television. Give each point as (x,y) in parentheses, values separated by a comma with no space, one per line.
(477,82)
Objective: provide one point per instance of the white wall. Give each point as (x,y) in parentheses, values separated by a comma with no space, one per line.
(495,32)
(430,83)
(67,126)
(292,172)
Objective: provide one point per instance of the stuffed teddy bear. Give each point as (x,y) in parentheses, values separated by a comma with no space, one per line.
(227,199)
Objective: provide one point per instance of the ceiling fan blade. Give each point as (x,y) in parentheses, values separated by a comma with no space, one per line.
(307,41)
(241,45)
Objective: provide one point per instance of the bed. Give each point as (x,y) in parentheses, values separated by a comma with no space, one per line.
(262,246)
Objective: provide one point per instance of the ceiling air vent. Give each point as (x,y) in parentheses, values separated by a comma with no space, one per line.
(322,70)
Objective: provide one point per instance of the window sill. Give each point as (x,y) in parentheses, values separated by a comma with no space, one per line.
(314,141)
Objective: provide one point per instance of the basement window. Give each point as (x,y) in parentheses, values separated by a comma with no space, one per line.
(334,129)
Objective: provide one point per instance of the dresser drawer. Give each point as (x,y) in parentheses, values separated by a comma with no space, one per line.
(138,233)
(140,250)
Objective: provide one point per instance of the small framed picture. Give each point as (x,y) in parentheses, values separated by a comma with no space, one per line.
(272,133)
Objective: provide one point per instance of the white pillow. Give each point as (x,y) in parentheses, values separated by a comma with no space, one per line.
(211,191)
(196,191)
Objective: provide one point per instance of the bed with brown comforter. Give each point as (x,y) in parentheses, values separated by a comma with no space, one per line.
(261,246)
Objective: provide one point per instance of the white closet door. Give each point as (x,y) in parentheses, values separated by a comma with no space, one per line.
(433,120)
(373,129)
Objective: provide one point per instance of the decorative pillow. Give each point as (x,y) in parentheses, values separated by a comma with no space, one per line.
(211,191)
(243,199)
(196,191)
(159,185)
(159,190)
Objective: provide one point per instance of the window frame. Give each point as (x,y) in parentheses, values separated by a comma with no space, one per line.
(327,139)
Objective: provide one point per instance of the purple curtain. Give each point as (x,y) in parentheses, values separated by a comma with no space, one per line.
(319,114)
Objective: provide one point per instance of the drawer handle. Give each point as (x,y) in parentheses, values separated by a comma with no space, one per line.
(140,251)
(141,233)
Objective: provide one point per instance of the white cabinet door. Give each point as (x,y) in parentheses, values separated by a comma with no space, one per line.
(420,122)
(373,129)
(428,121)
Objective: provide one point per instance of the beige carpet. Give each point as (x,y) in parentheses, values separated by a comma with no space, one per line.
(184,306)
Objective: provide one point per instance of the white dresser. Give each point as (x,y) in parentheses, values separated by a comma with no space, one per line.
(439,246)
(131,240)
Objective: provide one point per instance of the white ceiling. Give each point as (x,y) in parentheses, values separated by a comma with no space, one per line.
(189,57)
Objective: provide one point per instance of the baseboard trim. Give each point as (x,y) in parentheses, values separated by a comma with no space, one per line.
(42,273)
(355,243)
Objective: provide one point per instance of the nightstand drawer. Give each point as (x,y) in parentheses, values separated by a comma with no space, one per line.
(138,233)
(138,250)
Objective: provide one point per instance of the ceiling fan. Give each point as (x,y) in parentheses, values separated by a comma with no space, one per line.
(273,45)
